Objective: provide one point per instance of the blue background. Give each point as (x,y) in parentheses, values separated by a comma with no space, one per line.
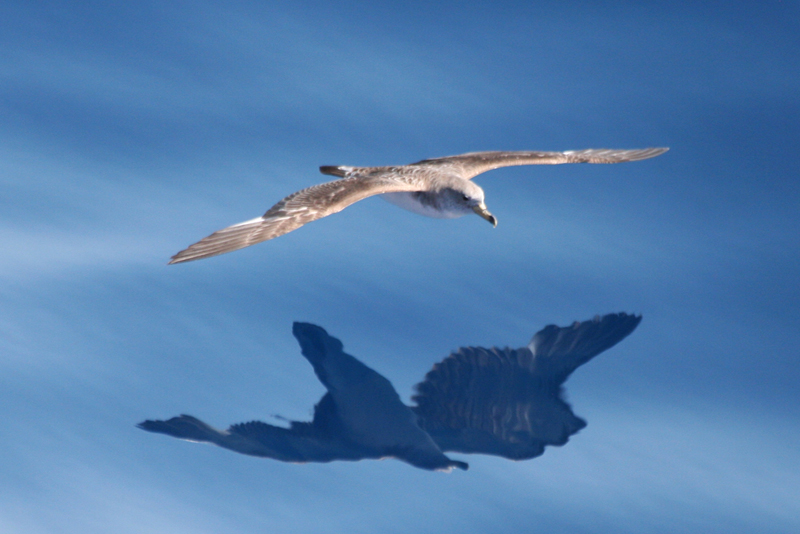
(130,130)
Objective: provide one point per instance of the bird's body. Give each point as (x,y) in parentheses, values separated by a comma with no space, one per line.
(439,187)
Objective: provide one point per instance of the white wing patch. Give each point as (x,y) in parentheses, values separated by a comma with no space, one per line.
(251,221)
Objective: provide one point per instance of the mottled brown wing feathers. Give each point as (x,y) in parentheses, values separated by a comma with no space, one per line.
(472,164)
(289,214)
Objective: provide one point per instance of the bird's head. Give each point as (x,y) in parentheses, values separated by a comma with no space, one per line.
(470,197)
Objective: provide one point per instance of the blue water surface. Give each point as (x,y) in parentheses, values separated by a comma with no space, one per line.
(129,131)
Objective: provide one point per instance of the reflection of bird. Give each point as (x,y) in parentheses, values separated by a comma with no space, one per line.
(502,402)
(438,187)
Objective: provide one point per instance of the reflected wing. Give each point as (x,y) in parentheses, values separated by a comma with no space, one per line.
(489,401)
(317,441)
(368,409)
(291,213)
(508,402)
(559,350)
(302,442)
(474,163)
(183,427)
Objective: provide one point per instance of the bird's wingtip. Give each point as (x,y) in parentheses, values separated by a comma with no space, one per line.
(177,258)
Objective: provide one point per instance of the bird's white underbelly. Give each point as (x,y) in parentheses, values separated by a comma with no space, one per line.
(409,202)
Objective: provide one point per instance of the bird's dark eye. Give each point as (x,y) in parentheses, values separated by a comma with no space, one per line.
(465,197)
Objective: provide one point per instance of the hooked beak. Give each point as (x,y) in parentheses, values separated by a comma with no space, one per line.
(481,210)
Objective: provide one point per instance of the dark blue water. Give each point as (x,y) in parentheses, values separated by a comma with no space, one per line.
(127,134)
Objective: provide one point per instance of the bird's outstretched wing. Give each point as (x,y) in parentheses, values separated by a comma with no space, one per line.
(369,412)
(291,213)
(508,402)
(315,441)
(474,163)
(559,350)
